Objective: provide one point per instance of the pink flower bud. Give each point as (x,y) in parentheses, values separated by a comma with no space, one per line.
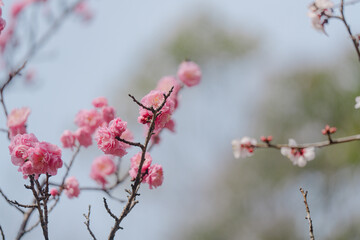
(189,73)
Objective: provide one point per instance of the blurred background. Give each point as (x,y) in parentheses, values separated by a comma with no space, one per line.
(265,72)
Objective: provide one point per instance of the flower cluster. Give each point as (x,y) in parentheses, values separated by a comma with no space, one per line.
(106,138)
(34,157)
(189,74)
(319,13)
(102,167)
(298,156)
(16,121)
(244,147)
(88,121)
(151,174)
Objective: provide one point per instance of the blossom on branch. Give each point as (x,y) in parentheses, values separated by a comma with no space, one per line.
(244,147)
(298,156)
(155,176)
(16,121)
(319,13)
(101,167)
(68,139)
(135,162)
(72,187)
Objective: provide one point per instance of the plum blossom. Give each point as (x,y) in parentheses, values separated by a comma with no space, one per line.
(135,162)
(319,13)
(90,119)
(54,192)
(2,21)
(155,176)
(101,167)
(117,126)
(154,99)
(189,73)
(298,156)
(166,83)
(108,113)
(244,147)
(83,10)
(357,102)
(99,102)
(16,121)
(68,139)
(34,157)
(72,187)
(83,135)
(107,142)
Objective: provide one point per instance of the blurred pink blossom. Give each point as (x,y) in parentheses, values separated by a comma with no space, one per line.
(189,73)
(83,136)
(155,177)
(101,167)
(68,139)
(72,187)
(100,102)
(135,162)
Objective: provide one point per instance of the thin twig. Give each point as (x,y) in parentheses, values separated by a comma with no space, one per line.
(109,211)
(87,223)
(11,202)
(315,144)
(2,233)
(311,229)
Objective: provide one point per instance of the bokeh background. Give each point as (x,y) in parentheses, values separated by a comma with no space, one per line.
(265,72)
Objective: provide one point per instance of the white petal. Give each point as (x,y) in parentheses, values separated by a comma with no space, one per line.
(292,143)
(309,153)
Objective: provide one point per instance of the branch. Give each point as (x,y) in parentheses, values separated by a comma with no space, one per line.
(10,78)
(315,144)
(11,202)
(311,230)
(87,223)
(2,233)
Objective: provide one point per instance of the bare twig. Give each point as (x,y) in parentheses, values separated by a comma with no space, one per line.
(87,223)
(311,229)
(109,211)
(11,202)
(10,78)
(2,233)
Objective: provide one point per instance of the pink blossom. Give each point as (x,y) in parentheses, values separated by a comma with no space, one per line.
(18,117)
(34,157)
(298,156)
(166,83)
(83,10)
(68,139)
(1,3)
(189,73)
(90,119)
(117,126)
(108,144)
(100,102)
(108,113)
(154,99)
(135,163)
(6,36)
(128,136)
(54,192)
(2,21)
(72,187)
(155,177)
(83,136)
(101,167)
(319,13)
(243,147)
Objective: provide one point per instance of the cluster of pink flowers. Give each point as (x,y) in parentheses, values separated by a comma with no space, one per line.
(106,138)
(102,167)
(189,73)
(34,157)
(319,13)
(72,187)
(16,121)
(152,174)
(298,156)
(244,147)
(88,121)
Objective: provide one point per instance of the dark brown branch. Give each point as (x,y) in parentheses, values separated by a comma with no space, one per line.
(2,233)
(87,223)
(109,211)
(140,104)
(311,229)
(137,182)
(130,143)
(11,202)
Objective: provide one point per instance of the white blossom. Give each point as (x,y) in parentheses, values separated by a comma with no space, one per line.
(298,156)
(357,100)
(244,147)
